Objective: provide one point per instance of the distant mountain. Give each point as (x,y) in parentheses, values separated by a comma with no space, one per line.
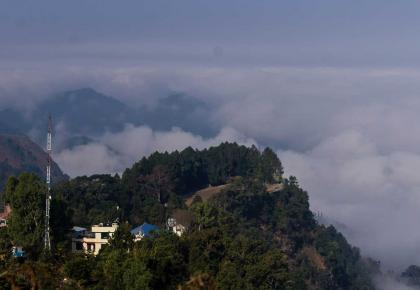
(85,114)
(182,111)
(80,115)
(18,154)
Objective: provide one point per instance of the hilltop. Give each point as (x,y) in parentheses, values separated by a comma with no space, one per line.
(251,227)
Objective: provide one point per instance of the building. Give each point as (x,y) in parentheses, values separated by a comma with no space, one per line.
(176,227)
(92,241)
(5,212)
(18,252)
(180,221)
(145,230)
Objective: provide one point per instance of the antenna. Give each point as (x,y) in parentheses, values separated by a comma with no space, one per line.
(47,241)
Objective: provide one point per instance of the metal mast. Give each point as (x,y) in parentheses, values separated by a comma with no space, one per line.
(47,241)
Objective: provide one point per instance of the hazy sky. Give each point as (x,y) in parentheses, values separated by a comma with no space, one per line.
(327,33)
(333,86)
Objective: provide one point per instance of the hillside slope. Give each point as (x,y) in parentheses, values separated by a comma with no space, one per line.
(251,229)
(18,154)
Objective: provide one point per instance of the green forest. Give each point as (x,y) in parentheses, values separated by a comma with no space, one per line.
(243,237)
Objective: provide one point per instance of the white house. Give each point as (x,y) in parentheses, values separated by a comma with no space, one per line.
(5,212)
(179,222)
(3,222)
(175,227)
(92,241)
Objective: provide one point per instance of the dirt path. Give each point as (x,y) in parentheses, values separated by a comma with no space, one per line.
(205,193)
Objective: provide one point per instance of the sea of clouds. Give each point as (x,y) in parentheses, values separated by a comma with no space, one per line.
(350,135)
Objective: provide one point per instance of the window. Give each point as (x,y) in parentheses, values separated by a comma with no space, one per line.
(105,236)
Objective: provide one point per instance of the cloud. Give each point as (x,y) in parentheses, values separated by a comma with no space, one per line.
(114,152)
(389,283)
(350,135)
(88,159)
(342,111)
(374,194)
(294,107)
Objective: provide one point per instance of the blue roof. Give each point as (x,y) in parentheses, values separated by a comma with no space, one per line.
(145,229)
(17,252)
(78,229)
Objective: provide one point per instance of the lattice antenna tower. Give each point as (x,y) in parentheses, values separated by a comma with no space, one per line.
(47,241)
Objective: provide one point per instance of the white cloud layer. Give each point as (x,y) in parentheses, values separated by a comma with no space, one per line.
(114,152)
(350,135)
(350,132)
(375,195)
(390,283)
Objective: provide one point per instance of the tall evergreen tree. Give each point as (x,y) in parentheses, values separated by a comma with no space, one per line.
(26,197)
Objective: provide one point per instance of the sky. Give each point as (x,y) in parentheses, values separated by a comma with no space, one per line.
(332,86)
(243,32)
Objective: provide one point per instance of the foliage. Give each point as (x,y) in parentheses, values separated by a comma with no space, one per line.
(122,239)
(78,270)
(243,237)
(162,178)
(26,197)
(192,169)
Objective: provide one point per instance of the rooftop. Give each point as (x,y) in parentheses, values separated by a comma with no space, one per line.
(145,229)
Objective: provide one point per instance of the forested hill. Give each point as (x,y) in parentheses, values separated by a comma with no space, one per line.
(19,154)
(242,237)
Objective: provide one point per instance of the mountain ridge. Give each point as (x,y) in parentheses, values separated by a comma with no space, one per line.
(18,153)
(87,113)
(245,235)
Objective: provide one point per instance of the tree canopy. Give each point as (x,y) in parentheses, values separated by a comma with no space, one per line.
(244,236)
(26,197)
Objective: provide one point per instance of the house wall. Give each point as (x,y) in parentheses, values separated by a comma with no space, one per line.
(178,229)
(94,245)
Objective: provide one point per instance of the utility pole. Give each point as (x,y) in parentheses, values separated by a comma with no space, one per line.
(47,241)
